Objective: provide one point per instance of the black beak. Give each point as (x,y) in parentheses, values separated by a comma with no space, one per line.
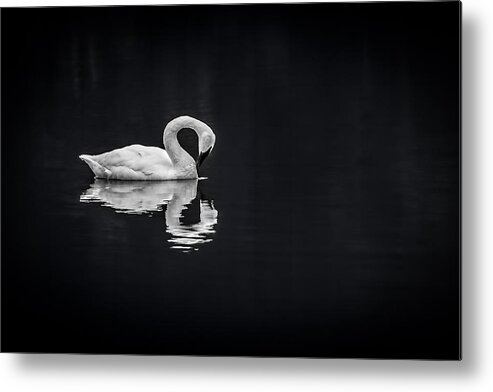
(202,156)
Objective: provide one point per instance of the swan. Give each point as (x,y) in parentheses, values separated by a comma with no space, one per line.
(138,163)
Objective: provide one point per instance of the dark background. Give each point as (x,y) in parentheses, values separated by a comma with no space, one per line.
(335,175)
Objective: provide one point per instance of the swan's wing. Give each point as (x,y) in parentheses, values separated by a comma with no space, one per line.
(135,158)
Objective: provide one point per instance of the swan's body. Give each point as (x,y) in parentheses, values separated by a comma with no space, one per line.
(138,162)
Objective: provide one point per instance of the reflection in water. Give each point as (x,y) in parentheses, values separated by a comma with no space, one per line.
(146,197)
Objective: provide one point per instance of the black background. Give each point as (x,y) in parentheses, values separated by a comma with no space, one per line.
(335,174)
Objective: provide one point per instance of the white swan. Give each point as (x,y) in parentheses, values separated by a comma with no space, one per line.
(137,162)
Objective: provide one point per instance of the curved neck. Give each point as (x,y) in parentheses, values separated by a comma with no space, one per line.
(177,153)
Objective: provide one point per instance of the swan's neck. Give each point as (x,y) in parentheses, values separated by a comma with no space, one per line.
(177,153)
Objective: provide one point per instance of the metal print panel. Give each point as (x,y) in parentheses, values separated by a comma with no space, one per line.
(234,180)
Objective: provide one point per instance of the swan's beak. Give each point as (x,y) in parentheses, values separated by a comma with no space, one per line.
(202,156)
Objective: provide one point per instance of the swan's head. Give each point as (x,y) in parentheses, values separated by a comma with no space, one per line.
(206,144)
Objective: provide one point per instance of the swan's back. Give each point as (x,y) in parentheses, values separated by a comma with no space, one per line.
(135,162)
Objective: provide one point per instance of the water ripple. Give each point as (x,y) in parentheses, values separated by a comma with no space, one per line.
(148,197)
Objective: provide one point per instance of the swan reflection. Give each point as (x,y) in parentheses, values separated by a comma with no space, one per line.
(146,197)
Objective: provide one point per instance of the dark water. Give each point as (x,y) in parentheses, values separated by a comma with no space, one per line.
(328,224)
